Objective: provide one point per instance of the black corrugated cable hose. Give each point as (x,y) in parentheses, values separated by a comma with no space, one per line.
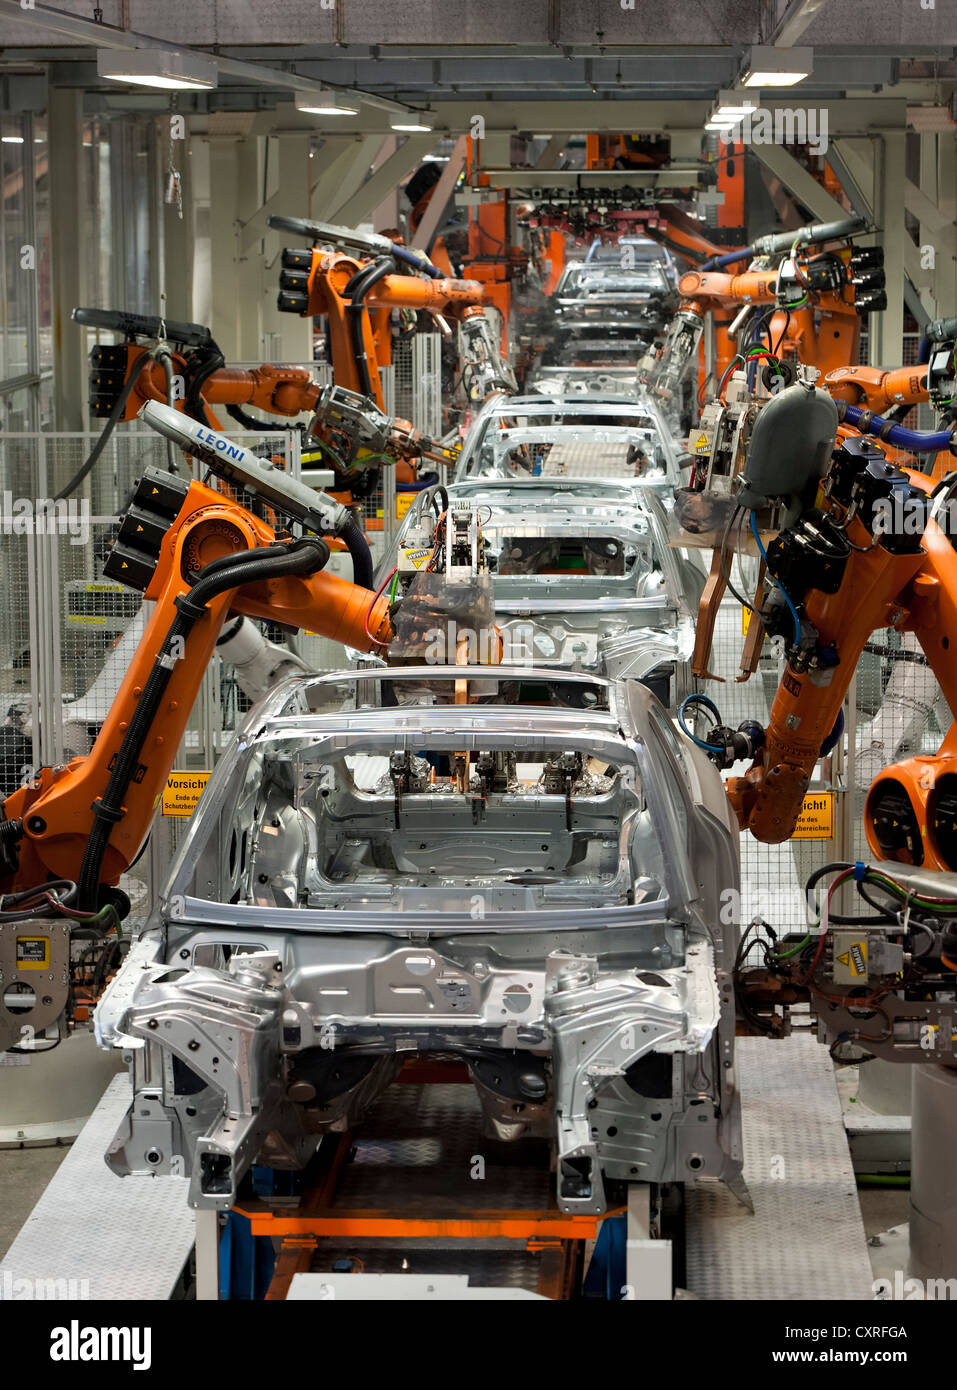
(111,423)
(358,547)
(213,359)
(357,288)
(304,557)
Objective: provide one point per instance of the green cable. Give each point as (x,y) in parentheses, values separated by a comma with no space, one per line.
(395,581)
(373,458)
(882,1179)
(792,950)
(932,904)
(338,463)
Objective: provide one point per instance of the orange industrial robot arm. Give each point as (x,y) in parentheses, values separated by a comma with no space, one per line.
(209,558)
(827,344)
(876,552)
(125,376)
(878,390)
(819,300)
(357,297)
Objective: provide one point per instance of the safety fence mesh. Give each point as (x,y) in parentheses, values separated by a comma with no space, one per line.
(68,633)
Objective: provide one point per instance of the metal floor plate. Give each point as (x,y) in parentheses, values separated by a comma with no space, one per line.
(806,1238)
(129,1238)
(423,1147)
(419,1149)
(126,1238)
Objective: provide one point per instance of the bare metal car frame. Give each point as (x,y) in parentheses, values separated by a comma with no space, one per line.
(627,613)
(560,930)
(572,419)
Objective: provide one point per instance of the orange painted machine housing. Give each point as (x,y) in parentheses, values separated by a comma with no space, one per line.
(877,390)
(825,334)
(329,275)
(914,592)
(276,389)
(56,807)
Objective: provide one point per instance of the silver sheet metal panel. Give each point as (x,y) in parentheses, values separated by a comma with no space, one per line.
(102,1236)
(806,1238)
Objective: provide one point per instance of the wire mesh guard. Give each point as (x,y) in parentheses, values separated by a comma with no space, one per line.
(67,633)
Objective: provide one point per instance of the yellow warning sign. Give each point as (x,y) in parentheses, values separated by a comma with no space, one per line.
(415,558)
(403,502)
(816,821)
(702,444)
(855,958)
(745,620)
(182,791)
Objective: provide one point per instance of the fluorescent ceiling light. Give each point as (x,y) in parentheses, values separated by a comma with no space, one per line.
(766,66)
(327,103)
(734,104)
(412,121)
(153,67)
(11,140)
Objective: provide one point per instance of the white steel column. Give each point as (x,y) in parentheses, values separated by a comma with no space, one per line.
(886,330)
(250,304)
(67,254)
(946,286)
(295,333)
(224,277)
(387,213)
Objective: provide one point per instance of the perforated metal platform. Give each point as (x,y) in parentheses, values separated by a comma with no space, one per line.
(106,1237)
(806,1237)
(129,1238)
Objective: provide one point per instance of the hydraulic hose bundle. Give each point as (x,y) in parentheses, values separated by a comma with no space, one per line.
(914,441)
(357,288)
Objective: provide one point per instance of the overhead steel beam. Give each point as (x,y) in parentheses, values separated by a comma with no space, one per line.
(357,208)
(344,180)
(929,214)
(793,22)
(440,197)
(109,36)
(334,150)
(796,178)
(855,176)
(503,116)
(689,177)
(341,167)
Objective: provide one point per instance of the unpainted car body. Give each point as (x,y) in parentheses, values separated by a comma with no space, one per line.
(571,436)
(552,915)
(583,577)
